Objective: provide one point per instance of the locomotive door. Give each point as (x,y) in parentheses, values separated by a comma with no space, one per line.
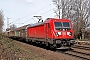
(47,30)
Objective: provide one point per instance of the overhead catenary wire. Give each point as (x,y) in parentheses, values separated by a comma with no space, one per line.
(46,12)
(29,20)
(41,14)
(33,18)
(31,13)
(14,21)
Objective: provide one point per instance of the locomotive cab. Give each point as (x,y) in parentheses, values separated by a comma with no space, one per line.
(63,30)
(62,33)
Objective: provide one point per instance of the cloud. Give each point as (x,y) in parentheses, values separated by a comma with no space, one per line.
(29,0)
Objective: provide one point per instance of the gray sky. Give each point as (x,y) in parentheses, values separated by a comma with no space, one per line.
(21,12)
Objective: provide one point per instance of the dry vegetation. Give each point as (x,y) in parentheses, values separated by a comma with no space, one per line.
(15,50)
(11,51)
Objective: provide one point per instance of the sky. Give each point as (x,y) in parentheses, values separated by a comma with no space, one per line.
(21,12)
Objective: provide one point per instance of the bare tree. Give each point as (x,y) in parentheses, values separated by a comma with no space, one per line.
(58,10)
(1,21)
(12,27)
(82,15)
(78,11)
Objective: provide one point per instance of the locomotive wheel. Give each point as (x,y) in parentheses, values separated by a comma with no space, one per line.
(47,46)
(52,47)
(31,42)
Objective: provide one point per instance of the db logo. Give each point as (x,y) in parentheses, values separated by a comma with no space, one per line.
(64,33)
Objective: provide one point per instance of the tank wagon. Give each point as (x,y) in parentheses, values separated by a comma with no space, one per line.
(55,33)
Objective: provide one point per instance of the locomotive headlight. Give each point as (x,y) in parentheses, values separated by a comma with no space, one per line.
(69,33)
(58,33)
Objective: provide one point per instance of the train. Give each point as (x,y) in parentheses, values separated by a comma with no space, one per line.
(54,33)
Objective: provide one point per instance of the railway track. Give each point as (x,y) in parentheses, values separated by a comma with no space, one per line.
(80,52)
(82,47)
(79,55)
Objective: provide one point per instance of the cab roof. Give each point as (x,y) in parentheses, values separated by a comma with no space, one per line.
(55,19)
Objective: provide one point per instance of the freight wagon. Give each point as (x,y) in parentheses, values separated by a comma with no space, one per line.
(18,33)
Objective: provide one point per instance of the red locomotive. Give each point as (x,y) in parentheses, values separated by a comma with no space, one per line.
(55,33)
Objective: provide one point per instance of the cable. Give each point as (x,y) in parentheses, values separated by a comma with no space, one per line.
(29,20)
(14,21)
(41,14)
(31,13)
(46,12)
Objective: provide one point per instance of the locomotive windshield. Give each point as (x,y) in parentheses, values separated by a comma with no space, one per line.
(62,25)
